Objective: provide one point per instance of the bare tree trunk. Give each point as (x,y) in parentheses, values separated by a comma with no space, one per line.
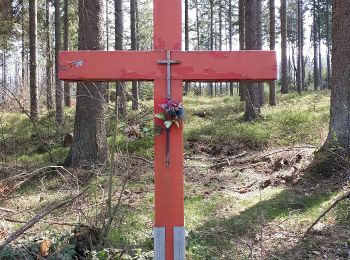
(339,134)
(328,47)
(241,24)
(251,43)
(107,46)
(90,131)
(119,28)
(272,87)
(59,84)
(315,42)
(4,76)
(211,39)
(299,58)
(187,43)
(303,61)
(67,88)
(133,30)
(319,44)
(284,81)
(23,48)
(49,65)
(260,43)
(230,35)
(33,22)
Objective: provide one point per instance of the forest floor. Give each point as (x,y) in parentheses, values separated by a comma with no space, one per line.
(251,189)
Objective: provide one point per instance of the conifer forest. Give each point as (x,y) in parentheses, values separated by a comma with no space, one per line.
(174,129)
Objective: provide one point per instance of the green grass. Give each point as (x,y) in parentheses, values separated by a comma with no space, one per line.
(296,119)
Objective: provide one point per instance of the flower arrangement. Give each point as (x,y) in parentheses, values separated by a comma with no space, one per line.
(173,113)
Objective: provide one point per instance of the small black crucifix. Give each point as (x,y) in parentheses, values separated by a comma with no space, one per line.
(168,63)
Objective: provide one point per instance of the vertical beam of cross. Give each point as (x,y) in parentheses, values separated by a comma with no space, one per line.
(169,180)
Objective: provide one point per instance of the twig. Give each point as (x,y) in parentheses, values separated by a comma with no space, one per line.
(46,211)
(7,210)
(339,199)
(142,159)
(47,222)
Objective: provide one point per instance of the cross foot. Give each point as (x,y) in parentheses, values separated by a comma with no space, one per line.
(169,233)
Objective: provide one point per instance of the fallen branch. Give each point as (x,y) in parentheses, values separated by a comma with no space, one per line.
(246,188)
(142,159)
(346,195)
(7,210)
(47,222)
(46,211)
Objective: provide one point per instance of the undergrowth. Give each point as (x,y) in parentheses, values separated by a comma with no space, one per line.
(211,121)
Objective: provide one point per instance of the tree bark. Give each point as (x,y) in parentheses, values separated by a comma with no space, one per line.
(67,87)
(90,131)
(272,87)
(315,42)
(59,83)
(252,110)
(133,30)
(49,99)
(319,44)
(328,46)
(241,25)
(260,44)
(211,39)
(187,41)
(284,81)
(23,48)
(339,133)
(33,38)
(299,58)
(119,30)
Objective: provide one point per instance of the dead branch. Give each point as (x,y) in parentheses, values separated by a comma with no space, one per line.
(346,195)
(7,210)
(47,222)
(142,159)
(46,211)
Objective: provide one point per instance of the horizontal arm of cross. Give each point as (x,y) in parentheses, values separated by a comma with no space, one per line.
(144,65)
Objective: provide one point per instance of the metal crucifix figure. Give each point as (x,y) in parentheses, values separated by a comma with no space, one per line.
(168,63)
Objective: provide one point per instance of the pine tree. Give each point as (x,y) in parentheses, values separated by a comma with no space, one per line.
(90,131)
(33,23)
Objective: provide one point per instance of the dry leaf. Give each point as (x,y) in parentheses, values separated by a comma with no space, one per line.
(44,247)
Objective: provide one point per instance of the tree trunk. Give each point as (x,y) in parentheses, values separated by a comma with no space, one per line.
(284,81)
(260,44)
(315,42)
(119,31)
(303,61)
(230,35)
(241,24)
(328,46)
(90,132)
(59,84)
(272,87)
(187,43)
(133,30)
(251,43)
(4,76)
(299,58)
(339,134)
(33,22)
(23,47)
(67,88)
(211,39)
(49,99)
(319,44)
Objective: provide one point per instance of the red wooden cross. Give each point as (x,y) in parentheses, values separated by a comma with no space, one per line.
(169,234)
